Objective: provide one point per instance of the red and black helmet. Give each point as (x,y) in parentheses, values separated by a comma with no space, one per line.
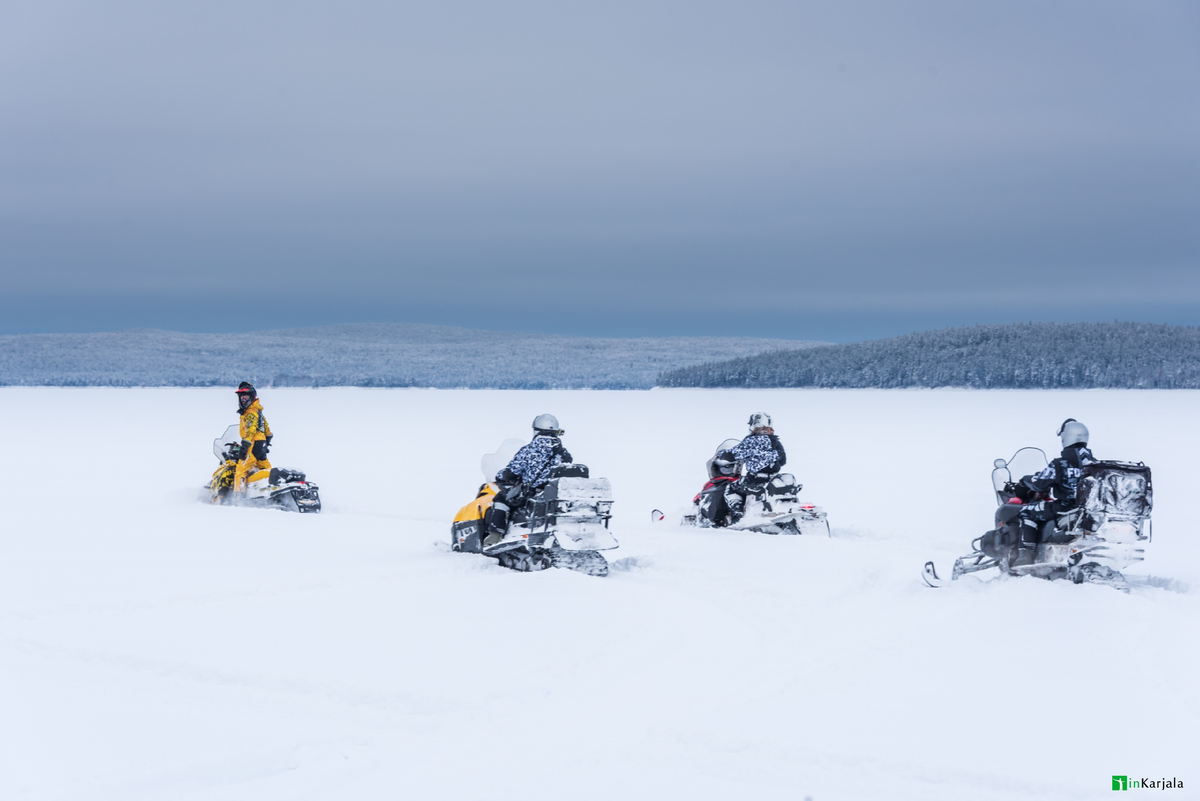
(246,395)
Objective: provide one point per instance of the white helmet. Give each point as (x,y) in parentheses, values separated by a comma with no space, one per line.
(1073,432)
(547,424)
(760,420)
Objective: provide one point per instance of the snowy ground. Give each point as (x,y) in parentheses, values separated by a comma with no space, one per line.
(154,647)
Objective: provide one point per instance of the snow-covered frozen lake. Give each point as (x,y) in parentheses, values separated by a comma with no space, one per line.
(155,647)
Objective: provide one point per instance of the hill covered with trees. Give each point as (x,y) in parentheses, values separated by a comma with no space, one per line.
(1020,356)
(358,355)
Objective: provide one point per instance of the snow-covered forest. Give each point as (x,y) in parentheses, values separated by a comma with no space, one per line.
(359,355)
(1020,356)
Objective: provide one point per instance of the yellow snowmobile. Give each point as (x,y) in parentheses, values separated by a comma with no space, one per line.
(278,487)
(563,524)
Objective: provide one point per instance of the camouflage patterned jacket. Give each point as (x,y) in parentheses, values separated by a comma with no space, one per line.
(532,463)
(760,453)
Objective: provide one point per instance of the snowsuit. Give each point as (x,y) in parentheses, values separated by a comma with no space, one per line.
(1061,477)
(256,441)
(763,457)
(524,475)
(1061,480)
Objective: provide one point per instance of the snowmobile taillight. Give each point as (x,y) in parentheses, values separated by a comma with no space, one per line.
(1014,500)
(806,506)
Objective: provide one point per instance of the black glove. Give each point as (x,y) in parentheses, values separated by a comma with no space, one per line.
(1029,484)
(1019,490)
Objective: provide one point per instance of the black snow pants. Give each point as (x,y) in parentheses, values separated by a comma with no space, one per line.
(508,498)
(736,492)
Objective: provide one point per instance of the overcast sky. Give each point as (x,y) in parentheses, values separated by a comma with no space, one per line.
(834,170)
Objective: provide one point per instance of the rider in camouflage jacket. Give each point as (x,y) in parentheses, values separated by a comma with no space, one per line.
(762,455)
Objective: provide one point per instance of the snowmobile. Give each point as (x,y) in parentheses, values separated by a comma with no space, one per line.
(776,510)
(1105,533)
(564,524)
(279,487)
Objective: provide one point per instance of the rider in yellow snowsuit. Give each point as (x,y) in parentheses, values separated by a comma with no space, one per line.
(255,434)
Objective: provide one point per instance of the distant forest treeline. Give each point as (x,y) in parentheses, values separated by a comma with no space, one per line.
(358,355)
(1022,356)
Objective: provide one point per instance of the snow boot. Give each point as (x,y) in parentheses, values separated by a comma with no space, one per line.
(497,525)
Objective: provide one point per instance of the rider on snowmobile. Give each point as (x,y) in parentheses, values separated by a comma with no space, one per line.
(526,473)
(1060,481)
(255,433)
(763,456)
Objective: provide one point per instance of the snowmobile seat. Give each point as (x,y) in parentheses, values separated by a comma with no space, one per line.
(282,475)
(569,471)
(1055,535)
(783,484)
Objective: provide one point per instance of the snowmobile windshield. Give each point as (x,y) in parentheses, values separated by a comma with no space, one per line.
(727,445)
(713,472)
(1025,462)
(493,463)
(222,443)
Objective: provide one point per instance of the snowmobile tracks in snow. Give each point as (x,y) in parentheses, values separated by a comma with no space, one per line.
(588,562)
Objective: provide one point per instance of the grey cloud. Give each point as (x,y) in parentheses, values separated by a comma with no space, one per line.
(638,158)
